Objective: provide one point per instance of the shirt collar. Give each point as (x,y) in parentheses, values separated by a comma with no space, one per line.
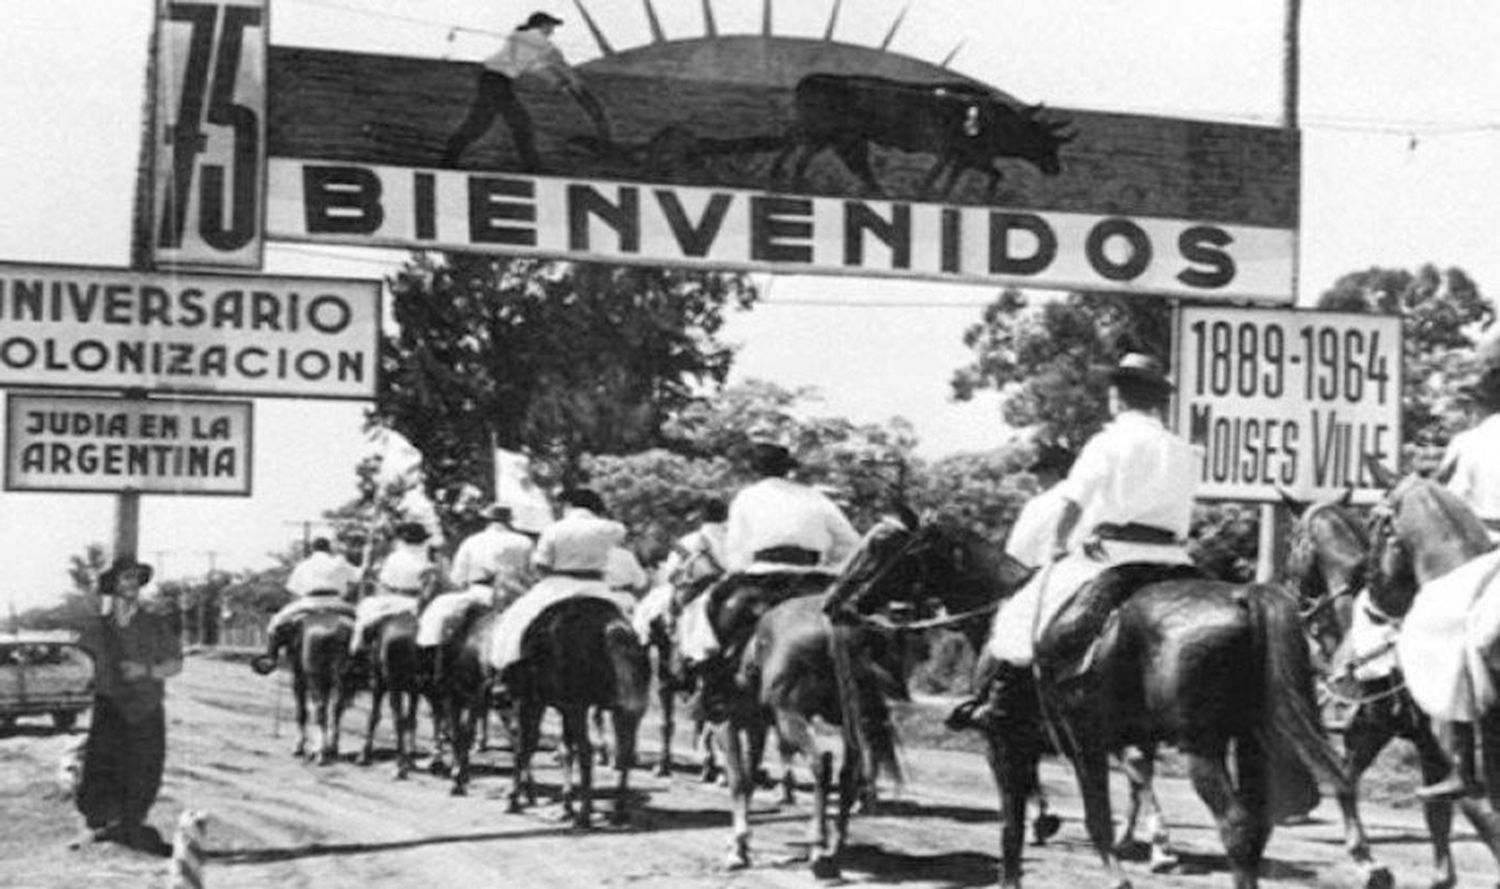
(1137,418)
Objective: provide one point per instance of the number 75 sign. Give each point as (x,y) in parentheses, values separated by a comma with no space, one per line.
(208,180)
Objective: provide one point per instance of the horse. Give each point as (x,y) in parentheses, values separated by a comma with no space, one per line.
(395,673)
(1420,532)
(796,666)
(319,646)
(1327,563)
(578,653)
(460,691)
(655,623)
(1169,666)
(782,663)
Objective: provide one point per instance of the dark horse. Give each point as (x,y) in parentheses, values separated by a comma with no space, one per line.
(319,646)
(395,673)
(460,690)
(1327,563)
(1196,663)
(1420,532)
(784,663)
(579,653)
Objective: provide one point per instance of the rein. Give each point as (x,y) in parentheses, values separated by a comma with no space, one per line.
(885,624)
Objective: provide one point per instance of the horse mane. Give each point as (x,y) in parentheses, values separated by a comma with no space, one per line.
(981,570)
(1417,492)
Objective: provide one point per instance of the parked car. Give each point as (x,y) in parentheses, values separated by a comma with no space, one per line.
(44,674)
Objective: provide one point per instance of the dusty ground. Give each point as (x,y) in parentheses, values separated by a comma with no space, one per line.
(279,822)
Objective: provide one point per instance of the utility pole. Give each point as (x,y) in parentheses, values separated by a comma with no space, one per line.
(1275,518)
(213,564)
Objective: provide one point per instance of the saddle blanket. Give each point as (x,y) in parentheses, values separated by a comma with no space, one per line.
(309,605)
(1020,620)
(1368,644)
(696,639)
(1453,621)
(442,616)
(653,605)
(504,647)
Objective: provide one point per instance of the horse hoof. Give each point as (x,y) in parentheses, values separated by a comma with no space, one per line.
(663,770)
(1163,862)
(1045,827)
(825,868)
(439,769)
(513,807)
(1121,883)
(1379,877)
(364,759)
(737,859)
(458,790)
(400,775)
(1447,881)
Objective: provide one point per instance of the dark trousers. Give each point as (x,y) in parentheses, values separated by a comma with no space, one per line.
(495,95)
(122,767)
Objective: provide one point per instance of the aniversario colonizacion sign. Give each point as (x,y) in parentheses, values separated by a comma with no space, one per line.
(1290,399)
(95,328)
(83,443)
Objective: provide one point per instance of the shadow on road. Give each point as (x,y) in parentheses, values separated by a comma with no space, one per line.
(323,850)
(949,870)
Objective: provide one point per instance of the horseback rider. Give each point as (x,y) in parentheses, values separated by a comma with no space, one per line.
(1469,471)
(1469,468)
(782,537)
(490,570)
(404,583)
(320,582)
(625,577)
(1132,487)
(572,554)
(699,556)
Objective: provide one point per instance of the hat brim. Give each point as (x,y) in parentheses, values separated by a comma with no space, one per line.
(1143,377)
(110,579)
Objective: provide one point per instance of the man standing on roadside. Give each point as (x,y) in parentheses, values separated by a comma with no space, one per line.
(135,650)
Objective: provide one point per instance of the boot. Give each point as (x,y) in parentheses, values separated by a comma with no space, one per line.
(985,711)
(265,665)
(1457,741)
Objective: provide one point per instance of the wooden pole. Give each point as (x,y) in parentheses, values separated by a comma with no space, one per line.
(1275,518)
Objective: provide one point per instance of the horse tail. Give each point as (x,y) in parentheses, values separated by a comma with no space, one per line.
(868,730)
(1290,729)
(632,669)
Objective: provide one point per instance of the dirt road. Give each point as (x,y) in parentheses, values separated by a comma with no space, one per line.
(279,822)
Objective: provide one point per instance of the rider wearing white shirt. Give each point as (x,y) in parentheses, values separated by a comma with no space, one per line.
(780,525)
(1470,467)
(572,554)
(1031,538)
(1131,490)
(319,582)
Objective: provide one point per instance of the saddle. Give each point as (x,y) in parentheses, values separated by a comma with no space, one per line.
(1072,642)
(734,606)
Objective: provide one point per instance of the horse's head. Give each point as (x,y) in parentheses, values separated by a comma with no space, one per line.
(938,564)
(1420,531)
(1326,563)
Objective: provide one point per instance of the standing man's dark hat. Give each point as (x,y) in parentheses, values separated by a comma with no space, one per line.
(1141,369)
(109,580)
(538,19)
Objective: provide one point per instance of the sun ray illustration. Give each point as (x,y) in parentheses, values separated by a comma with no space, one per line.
(833,18)
(895,26)
(657,35)
(593,26)
(948,59)
(710,27)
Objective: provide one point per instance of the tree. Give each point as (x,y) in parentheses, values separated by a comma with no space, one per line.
(1040,358)
(552,358)
(654,492)
(1441,314)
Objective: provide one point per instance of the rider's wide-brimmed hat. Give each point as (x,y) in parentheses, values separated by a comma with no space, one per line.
(538,19)
(109,580)
(1138,367)
(1051,457)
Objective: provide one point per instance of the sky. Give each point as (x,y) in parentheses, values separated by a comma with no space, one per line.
(1400,110)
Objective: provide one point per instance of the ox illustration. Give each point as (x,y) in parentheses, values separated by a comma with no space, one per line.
(965,126)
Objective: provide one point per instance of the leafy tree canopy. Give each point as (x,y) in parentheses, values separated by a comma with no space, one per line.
(556,359)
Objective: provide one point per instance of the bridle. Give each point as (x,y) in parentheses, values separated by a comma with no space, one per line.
(912,547)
